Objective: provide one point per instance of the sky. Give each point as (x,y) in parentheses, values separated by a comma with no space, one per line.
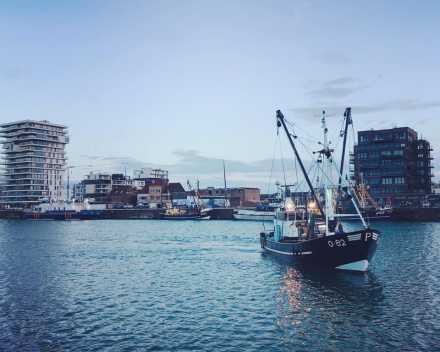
(184,85)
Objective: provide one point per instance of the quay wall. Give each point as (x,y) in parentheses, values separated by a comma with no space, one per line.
(11,214)
(139,214)
(415,214)
(128,214)
(398,214)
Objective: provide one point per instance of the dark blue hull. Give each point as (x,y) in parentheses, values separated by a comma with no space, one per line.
(54,215)
(197,216)
(91,214)
(351,251)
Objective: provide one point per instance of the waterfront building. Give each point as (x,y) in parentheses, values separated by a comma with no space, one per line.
(34,159)
(148,174)
(143,195)
(78,192)
(394,163)
(156,190)
(120,180)
(121,195)
(238,196)
(97,187)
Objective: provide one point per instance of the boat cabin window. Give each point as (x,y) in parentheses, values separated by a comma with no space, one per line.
(280,216)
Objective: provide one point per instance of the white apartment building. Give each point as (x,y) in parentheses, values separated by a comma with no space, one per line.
(150,173)
(34,161)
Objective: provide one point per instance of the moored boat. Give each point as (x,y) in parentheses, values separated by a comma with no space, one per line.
(195,213)
(49,209)
(322,244)
(260,213)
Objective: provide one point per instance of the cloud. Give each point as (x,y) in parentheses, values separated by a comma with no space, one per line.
(191,162)
(334,89)
(392,105)
(91,157)
(334,92)
(121,159)
(339,81)
(333,58)
(397,105)
(209,171)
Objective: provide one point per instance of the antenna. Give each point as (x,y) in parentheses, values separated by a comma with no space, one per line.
(324,114)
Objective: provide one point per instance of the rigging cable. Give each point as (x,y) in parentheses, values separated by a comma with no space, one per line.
(271,171)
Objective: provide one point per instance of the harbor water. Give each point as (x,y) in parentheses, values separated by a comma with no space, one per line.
(115,285)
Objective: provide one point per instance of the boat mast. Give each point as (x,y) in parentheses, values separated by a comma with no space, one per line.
(348,121)
(280,121)
(224,178)
(329,209)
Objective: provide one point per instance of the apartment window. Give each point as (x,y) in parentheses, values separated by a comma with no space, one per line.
(421,172)
(387,181)
(374,154)
(387,190)
(386,162)
(399,189)
(375,190)
(363,156)
(420,146)
(374,172)
(369,163)
(385,153)
(420,164)
(398,162)
(399,180)
(374,181)
(398,152)
(400,135)
(365,138)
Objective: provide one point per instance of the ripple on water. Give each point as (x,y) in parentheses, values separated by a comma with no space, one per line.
(157,285)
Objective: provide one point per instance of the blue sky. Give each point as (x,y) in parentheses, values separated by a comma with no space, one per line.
(181,85)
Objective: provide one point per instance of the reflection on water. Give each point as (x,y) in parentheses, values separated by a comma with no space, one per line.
(324,307)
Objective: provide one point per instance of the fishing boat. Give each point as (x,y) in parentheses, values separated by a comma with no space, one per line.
(322,244)
(369,207)
(188,211)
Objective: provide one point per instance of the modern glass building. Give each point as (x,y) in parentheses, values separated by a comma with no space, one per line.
(34,160)
(394,163)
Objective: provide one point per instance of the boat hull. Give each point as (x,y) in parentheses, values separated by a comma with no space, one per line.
(54,215)
(197,216)
(253,216)
(370,215)
(93,214)
(351,251)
